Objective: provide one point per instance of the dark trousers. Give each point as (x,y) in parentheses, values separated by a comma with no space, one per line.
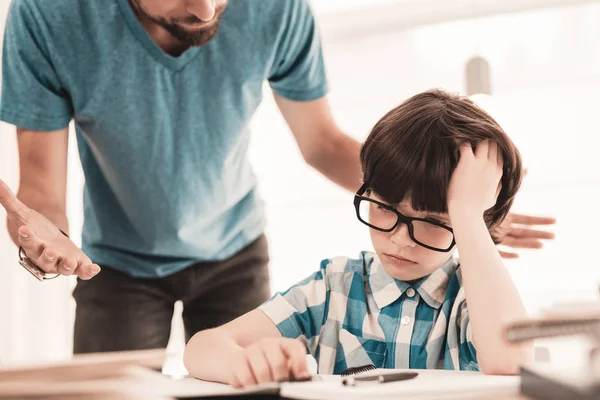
(117,312)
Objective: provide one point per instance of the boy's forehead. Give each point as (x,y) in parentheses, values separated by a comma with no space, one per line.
(406,205)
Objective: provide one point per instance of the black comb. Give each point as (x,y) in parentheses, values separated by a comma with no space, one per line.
(358,370)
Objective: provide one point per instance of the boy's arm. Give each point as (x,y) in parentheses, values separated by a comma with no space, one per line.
(264,335)
(492,298)
(209,354)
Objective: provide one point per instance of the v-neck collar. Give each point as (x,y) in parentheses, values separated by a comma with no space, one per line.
(174,63)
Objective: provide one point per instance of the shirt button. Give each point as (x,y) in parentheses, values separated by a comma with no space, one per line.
(410,292)
(405,320)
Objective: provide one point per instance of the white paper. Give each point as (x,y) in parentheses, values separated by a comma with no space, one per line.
(429,384)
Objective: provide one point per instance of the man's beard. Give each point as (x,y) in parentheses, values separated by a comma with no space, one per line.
(187,37)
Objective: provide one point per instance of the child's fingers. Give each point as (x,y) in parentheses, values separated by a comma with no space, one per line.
(482,149)
(243,374)
(500,158)
(492,150)
(495,155)
(259,365)
(279,363)
(234,382)
(466,151)
(498,190)
(295,351)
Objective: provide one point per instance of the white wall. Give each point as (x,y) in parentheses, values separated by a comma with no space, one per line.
(545,76)
(546,73)
(35,318)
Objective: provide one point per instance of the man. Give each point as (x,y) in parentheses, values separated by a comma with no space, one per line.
(161,92)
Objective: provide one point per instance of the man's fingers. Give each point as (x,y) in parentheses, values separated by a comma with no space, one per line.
(522,243)
(31,244)
(507,255)
(67,266)
(87,271)
(295,351)
(49,260)
(530,220)
(530,233)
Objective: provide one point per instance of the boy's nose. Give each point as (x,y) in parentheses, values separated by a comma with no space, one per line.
(202,9)
(401,237)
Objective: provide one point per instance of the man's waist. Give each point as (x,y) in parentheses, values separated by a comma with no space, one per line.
(169,254)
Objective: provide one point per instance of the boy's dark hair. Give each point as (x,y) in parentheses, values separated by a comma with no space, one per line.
(414,149)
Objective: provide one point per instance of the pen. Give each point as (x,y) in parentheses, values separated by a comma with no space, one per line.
(383,378)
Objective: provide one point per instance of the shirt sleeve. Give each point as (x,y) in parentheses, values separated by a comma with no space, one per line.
(467,352)
(298,70)
(32,96)
(300,311)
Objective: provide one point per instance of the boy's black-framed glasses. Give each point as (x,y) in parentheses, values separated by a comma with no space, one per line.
(427,233)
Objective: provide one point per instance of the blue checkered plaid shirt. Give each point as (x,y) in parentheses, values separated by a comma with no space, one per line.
(352,313)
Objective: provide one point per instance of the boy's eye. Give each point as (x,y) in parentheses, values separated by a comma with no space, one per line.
(382,207)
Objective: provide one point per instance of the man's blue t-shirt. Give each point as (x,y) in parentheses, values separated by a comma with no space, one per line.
(163,140)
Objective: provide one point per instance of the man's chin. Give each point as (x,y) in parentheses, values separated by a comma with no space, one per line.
(192,37)
(193,34)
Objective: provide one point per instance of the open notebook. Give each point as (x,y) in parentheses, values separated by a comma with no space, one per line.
(134,375)
(430,384)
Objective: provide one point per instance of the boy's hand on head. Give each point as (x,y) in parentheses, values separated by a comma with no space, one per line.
(269,360)
(475,183)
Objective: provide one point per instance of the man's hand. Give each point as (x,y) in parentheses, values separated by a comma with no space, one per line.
(520,235)
(43,243)
(269,360)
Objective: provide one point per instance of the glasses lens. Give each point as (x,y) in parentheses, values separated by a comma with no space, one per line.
(376,215)
(432,235)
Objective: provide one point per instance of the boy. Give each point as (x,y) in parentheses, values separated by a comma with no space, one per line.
(439,173)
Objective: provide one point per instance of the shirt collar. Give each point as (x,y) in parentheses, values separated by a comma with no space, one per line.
(386,290)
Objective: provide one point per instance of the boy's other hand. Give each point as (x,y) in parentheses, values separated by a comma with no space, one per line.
(43,242)
(269,360)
